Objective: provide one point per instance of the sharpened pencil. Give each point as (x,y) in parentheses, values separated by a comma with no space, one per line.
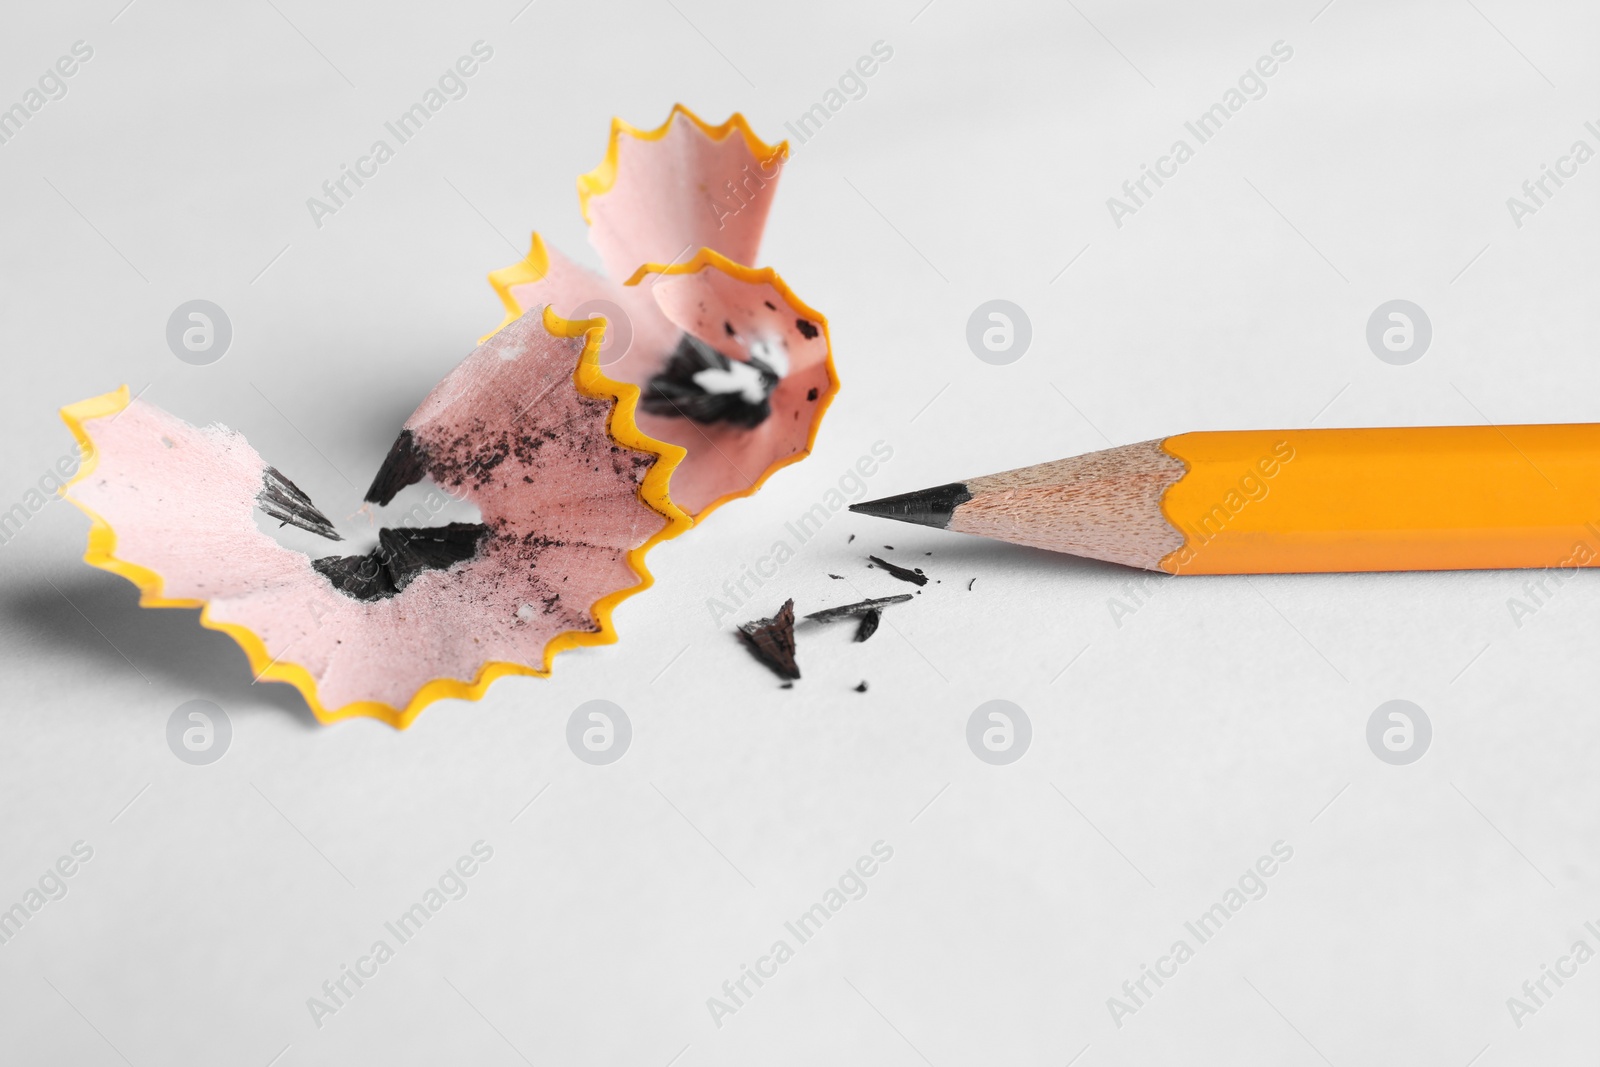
(1295,501)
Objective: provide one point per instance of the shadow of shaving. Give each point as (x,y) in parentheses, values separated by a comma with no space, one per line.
(162,644)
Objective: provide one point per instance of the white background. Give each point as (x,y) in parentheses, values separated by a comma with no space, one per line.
(1221,716)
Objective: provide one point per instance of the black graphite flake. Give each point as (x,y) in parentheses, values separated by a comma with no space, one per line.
(286,502)
(915,577)
(869,625)
(405,465)
(807,329)
(674,390)
(771,641)
(859,608)
(401,555)
(862,688)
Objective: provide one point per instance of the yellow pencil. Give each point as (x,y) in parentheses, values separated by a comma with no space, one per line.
(1282,501)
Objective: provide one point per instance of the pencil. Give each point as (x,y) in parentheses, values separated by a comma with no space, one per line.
(1296,501)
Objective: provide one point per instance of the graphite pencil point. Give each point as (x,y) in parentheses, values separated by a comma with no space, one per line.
(925,507)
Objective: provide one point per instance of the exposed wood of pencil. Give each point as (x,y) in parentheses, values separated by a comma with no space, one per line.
(1104,505)
(1232,502)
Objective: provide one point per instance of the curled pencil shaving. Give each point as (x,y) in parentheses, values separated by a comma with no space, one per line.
(732,366)
(570,493)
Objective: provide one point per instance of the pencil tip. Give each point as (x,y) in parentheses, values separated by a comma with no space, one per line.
(925,507)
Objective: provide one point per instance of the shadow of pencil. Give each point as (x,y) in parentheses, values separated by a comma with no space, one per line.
(1036,564)
(168,644)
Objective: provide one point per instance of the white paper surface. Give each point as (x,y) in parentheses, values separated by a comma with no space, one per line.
(1179,729)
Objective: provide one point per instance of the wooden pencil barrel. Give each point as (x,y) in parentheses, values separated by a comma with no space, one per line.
(1414,498)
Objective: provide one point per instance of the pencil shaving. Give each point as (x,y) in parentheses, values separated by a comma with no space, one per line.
(571,496)
(771,641)
(732,366)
